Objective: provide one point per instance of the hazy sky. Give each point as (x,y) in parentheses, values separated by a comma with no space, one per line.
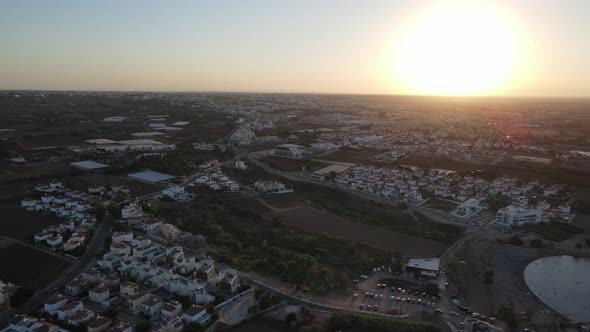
(286,46)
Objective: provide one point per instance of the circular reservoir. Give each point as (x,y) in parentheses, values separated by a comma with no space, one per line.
(563,283)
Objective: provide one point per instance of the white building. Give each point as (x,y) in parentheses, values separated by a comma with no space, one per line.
(515,215)
(131,211)
(177,193)
(467,208)
(99,294)
(289,151)
(271,187)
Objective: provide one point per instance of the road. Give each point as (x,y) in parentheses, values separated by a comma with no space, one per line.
(77,268)
(236,311)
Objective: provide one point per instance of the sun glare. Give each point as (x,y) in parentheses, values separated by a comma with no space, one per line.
(457,50)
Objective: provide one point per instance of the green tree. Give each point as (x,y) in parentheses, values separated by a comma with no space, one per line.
(536,243)
(143,326)
(21,296)
(193,327)
(488,277)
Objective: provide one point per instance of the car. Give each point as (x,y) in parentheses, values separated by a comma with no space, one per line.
(362,306)
(462,324)
(438,311)
(392,298)
(364,276)
(355,295)
(376,307)
(393,289)
(380,296)
(453,313)
(369,307)
(375,295)
(475,315)
(356,281)
(366,294)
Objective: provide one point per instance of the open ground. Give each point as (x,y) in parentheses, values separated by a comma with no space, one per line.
(28,267)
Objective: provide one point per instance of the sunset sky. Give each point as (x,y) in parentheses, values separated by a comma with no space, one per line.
(516,47)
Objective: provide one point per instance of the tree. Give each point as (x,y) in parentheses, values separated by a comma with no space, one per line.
(515,241)
(111,312)
(290,318)
(536,243)
(193,327)
(143,326)
(21,296)
(488,277)
(99,211)
(299,267)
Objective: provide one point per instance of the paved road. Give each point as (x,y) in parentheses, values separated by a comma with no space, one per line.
(78,267)
(235,312)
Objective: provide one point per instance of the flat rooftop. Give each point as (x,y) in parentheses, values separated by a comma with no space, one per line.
(430,264)
(151,176)
(147,134)
(101,141)
(333,168)
(88,165)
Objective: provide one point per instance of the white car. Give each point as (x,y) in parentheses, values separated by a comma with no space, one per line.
(453,313)
(364,276)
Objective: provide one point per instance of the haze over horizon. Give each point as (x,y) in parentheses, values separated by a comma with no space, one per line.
(516,48)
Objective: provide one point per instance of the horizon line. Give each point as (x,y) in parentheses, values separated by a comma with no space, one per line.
(298,93)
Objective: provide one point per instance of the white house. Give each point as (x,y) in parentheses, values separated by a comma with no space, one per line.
(177,193)
(289,151)
(515,215)
(171,309)
(150,224)
(131,211)
(69,309)
(467,208)
(196,313)
(271,187)
(122,237)
(54,304)
(80,318)
(99,294)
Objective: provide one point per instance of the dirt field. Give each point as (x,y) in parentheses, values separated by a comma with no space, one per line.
(34,171)
(21,224)
(441,205)
(28,267)
(582,221)
(313,220)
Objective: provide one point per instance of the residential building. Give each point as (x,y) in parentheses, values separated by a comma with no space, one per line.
(515,215)
(99,324)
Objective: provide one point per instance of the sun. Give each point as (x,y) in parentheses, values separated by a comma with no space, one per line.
(460,49)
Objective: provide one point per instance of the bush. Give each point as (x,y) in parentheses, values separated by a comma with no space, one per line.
(515,241)
(21,296)
(536,243)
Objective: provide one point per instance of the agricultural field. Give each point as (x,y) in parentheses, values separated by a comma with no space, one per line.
(312,220)
(28,267)
(32,171)
(21,224)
